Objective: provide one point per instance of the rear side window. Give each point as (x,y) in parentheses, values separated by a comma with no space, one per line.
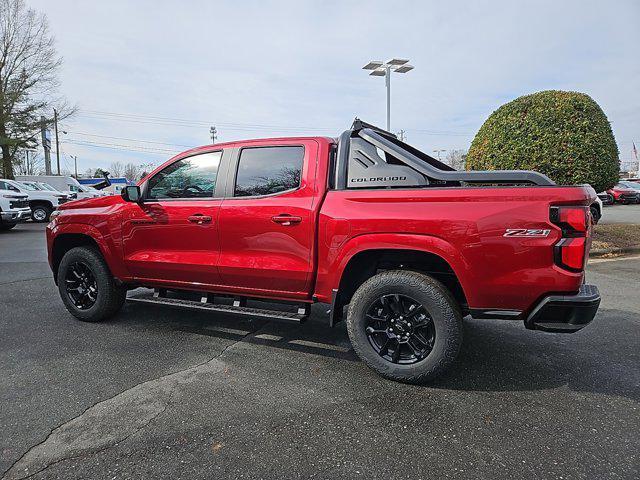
(191,177)
(268,170)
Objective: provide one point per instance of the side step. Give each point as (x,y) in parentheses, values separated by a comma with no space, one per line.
(158,298)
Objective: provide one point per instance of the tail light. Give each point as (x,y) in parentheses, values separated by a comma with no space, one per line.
(570,252)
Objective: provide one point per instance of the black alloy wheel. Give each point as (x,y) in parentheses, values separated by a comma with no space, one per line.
(81,285)
(400,329)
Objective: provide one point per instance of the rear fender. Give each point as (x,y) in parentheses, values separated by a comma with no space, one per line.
(333,272)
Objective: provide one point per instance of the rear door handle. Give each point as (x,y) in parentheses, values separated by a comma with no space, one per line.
(199,218)
(286,219)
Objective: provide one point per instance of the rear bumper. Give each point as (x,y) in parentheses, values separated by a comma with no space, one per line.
(565,313)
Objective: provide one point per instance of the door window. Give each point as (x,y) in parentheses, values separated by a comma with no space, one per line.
(191,177)
(268,170)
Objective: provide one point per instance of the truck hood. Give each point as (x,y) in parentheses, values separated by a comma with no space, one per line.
(12,194)
(96,202)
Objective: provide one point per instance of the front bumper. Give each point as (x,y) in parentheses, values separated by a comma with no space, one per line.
(16,216)
(565,313)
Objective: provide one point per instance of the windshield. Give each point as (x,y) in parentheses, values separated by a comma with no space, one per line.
(46,186)
(634,185)
(30,187)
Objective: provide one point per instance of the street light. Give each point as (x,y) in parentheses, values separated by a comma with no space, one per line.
(380,69)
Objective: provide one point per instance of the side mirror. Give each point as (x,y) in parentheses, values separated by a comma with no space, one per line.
(131,193)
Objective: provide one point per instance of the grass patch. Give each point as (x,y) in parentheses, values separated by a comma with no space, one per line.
(616,236)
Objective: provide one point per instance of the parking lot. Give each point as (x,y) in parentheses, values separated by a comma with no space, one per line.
(620,214)
(159,393)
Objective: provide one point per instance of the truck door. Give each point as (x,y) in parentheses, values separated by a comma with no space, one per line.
(172,235)
(267,226)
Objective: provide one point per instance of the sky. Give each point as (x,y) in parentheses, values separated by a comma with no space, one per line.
(149,78)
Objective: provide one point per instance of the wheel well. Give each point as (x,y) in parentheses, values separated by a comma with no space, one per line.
(65,242)
(46,203)
(364,265)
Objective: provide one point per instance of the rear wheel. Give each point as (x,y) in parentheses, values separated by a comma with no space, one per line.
(40,213)
(405,325)
(86,286)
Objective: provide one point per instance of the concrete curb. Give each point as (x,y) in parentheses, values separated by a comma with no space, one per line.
(601,252)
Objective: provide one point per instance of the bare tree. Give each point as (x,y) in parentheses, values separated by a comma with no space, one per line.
(456,159)
(29,66)
(131,171)
(88,173)
(116,169)
(27,162)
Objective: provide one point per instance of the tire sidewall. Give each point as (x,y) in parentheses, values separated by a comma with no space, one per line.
(435,299)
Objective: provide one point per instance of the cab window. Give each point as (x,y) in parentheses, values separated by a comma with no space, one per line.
(191,177)
(268,170)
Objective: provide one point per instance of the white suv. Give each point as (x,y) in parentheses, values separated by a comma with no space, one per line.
(14,208)
(41,202)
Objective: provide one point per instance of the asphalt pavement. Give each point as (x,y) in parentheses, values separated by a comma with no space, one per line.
(163,393)
(620,214)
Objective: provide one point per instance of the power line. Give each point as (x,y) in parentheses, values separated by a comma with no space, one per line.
(129,139)
(158,120)
(123,147)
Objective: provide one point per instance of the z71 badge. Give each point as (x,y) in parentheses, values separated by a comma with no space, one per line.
(526,232)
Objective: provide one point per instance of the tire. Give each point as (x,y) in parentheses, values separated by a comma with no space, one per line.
(7,226)
(595,213)
(445,322)
(108,297)
(40,213)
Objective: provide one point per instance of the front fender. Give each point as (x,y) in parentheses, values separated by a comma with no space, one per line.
(109,248)
(330,271)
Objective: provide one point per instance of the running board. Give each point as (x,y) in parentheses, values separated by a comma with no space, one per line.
(216,307)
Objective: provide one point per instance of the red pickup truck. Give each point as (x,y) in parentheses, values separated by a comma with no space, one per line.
(401,245)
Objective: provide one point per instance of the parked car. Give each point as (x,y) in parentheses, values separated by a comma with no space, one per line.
(635,186)
(60,183)
(14,207)
(396,241)
(624,195)
(42,203)
(606,198)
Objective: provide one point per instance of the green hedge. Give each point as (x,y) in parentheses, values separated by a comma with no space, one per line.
(564,135)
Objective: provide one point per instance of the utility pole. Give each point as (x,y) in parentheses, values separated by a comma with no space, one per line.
(46,145)
(75,164)
(55,124)
(214,134)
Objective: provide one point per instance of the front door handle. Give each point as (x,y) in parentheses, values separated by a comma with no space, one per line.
(286,219)
(199,218)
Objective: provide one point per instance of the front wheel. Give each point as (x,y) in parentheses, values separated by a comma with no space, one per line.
(405,325)
(595,213)
(40,213)
(87,287)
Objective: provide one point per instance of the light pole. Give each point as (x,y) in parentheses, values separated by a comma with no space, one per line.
(380,69)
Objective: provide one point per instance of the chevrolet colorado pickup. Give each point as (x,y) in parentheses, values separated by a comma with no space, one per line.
(401,245)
